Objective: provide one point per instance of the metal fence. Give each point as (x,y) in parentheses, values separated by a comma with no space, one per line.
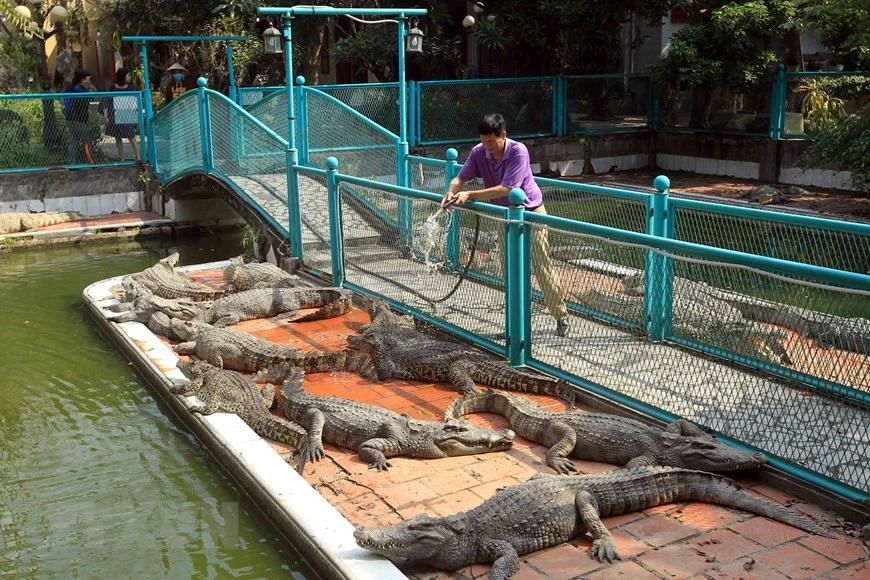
(36,134)
(767,347)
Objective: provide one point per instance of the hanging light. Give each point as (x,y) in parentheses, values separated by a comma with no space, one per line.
(58,15)
(272,40)
(479,7)
(468,21)
(414,41)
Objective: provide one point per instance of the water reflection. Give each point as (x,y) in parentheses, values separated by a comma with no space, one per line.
(94,480)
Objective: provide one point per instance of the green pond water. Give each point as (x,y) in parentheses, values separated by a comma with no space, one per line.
(95,482)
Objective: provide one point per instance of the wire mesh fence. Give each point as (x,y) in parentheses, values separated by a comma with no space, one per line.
(36,133)
(249,96)
(607,102)
(717,307)
(376,101)
(271,110)
(701,109)
(449,110)
(362,148)
(760,232)
(815,100)
(178,137)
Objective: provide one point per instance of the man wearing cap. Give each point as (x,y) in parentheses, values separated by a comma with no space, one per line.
(77,150)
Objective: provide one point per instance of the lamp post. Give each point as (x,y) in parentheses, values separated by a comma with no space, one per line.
(287,14)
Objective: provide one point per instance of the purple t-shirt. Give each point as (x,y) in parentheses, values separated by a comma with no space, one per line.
(512,171)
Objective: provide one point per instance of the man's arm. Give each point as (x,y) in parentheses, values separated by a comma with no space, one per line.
(460,197)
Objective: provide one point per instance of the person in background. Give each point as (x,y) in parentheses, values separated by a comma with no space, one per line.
(503,164)
(78,150)
(121,115)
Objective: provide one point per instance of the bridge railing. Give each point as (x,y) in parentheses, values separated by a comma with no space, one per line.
(644,309)
(36,135)
(651,315)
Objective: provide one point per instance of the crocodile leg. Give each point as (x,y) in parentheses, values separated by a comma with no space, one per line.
(370,452)
(603,544)
(268,392)
(226,320)
(557,455)
(186,347)
(683,427)
(505,560)
(314,421)
(459,375)
(645,460)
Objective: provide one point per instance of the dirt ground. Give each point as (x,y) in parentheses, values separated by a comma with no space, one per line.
(834,202)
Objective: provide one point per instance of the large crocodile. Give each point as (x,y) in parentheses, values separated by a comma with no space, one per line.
(547,510)
(233,349)
(163,280)
(377,433)
(280,302)
(400,352)
(140,305)
(21,222)
(253,275)
(235,393)
(608,438)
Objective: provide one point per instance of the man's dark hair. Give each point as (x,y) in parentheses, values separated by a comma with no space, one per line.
(491,124)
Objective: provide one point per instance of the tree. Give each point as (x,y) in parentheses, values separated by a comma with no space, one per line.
(844,27)
(727,48)
(846,146)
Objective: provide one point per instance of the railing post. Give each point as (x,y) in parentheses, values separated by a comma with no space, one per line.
(412,113)
(517,279)
(558,129)
(301,119)
(777,103)
(450,172)
(655,106)
(232,75)
(658,283)
(149,109)
(335,229)
(204,125)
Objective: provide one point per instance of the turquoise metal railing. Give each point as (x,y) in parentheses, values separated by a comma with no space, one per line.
(35,135)
(771,311)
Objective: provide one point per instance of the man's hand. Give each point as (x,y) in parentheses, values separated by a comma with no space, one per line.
(454,198)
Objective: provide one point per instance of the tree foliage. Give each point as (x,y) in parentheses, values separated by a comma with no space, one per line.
(844,27)
(846,146)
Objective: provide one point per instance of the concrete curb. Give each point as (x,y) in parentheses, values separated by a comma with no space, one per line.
(304,519)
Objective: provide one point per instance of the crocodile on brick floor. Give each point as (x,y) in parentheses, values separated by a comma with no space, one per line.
(608,438)
(163,280)
(400,352)
(279,302)
(377,433)
(248,276)
(233,349)
(548,510)
(232,392)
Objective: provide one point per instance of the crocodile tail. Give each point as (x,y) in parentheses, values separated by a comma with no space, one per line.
(338,302)
(475,402)
(293,382)
(498,374)
(723,491)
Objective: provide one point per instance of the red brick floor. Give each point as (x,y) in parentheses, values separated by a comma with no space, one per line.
(685,540)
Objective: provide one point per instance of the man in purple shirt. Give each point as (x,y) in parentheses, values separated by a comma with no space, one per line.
(503,164)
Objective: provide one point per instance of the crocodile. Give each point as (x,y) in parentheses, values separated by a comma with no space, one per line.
(377,433)
(608,438)
(400,352)
(380,315)
(236,350)
(549,510)
(698,316)
(235,393)
(11,223)
(163,280)
(258,275)
(280,302)
(140,305)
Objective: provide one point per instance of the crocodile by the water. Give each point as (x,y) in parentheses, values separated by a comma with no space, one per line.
(235,393)
(163,280)
(608,438)
(400,352)
(233,349)
(140,305)
(377,433)
(548,510)
(253,275)
(279,302)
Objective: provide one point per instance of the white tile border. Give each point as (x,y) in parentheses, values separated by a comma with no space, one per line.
(321,522)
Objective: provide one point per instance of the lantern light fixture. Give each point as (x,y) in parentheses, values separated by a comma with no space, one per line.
(414,40)
(272,40)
